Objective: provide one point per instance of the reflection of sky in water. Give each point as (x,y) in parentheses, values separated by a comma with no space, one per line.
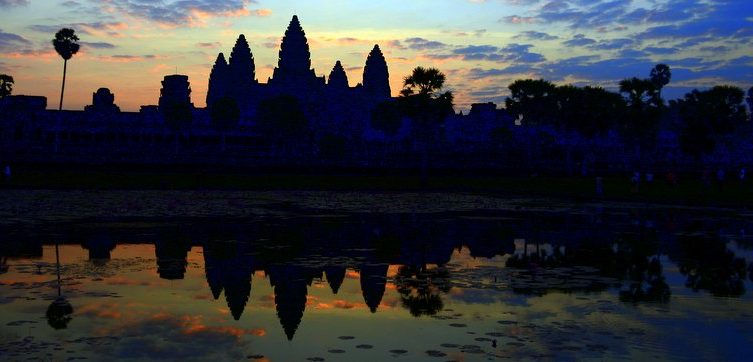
(124,310)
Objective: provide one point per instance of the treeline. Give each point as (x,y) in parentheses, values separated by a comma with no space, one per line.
(637,112)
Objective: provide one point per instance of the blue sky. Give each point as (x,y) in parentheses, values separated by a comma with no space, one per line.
(129,45)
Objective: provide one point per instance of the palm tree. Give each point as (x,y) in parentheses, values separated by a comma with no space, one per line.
(6,85)
(65,44)
(423,103)
(660,76)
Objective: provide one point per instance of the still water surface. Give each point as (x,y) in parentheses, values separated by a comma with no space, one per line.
(592,282)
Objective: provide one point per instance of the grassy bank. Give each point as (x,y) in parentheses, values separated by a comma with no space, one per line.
(689,191)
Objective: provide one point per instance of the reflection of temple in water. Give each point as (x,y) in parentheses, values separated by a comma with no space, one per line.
(295,252)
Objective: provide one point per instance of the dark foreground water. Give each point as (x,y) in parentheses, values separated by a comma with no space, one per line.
(328,281)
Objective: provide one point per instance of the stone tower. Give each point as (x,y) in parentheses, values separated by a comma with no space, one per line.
(337,78)
(218,80)
(376,77)
(176,90)
(294,63)
(241,71)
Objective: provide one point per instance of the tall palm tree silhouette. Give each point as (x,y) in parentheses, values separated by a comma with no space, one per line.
(424,104)
(65,44)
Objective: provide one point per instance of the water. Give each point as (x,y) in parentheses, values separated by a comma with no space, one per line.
(318,281)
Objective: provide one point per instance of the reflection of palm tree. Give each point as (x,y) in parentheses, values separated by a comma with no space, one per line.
(420,289)
(65,44)
(708,265)
(60,310)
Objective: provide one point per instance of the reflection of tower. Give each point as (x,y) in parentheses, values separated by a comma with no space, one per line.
(171,258)
(99,247)
(373,283)
(229,266)
(335,277)
(289,282)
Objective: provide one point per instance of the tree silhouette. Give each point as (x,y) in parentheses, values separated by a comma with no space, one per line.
(6,85)
(422,102)
(717,111)
(534,100)
(643,111)
(660,76)
(66,45)
(386,117)
(420,289)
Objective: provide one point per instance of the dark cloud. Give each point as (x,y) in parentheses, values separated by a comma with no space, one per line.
(661,50)
(111,28)
(579,40)
(511,53)
(212,45)
(612,44)
(97,45)
(12,3)
(423,44)
(10,42)
(520,53)
(181,12)
(535,35)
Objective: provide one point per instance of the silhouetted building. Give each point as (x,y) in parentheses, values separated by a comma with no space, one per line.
(219,80)
(103,102)
(176,90)
(376,78)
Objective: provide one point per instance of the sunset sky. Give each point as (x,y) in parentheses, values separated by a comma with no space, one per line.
(482,45)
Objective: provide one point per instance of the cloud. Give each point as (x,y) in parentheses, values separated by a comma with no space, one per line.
(579,40)
(515,19)
(12,3)
(175,13)
(535,35)
(98,45)
(10,42)
(423,44)
(93,28)
(211,45)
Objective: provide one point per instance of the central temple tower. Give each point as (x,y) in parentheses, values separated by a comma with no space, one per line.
(294,64)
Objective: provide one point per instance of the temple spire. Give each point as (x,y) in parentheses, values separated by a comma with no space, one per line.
(294,63)
(241,69)
(218,80)
(376,76)
(337,77)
